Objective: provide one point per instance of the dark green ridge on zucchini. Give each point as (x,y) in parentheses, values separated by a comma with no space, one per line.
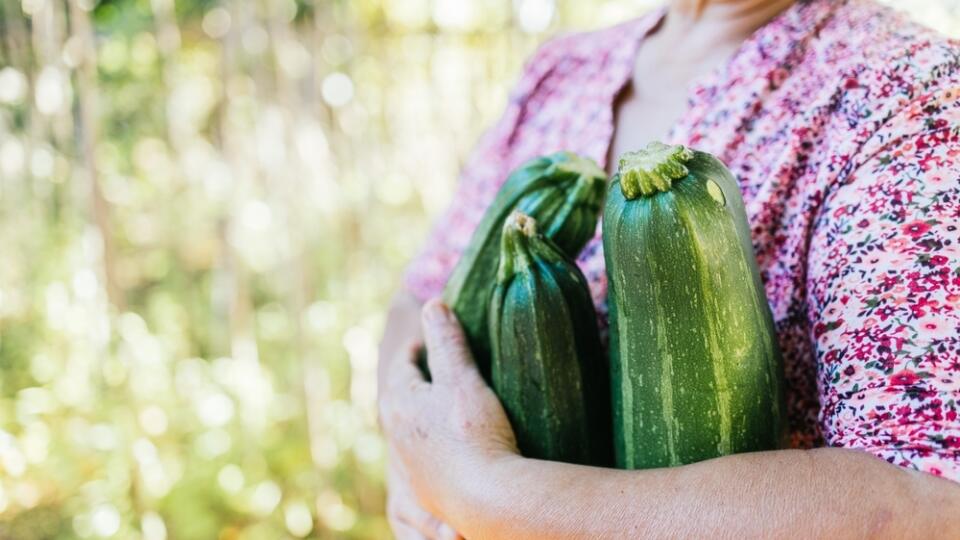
(548,369)
(564,192)
(695,368)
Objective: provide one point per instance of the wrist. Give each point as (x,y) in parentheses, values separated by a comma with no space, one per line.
(486,494)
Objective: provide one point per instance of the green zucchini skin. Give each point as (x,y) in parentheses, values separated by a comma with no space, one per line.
(549,369)
(695,367)
(564,192)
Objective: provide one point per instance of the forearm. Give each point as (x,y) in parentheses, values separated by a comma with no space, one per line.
(821,493)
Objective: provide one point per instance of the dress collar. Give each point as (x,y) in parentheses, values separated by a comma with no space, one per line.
(752,71)
(772,47)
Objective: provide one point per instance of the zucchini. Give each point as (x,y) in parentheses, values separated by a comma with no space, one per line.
(564,192)
(549,369)
(695,368)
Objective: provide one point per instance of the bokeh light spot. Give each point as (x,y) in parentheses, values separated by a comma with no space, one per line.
(52,91)
(337,89)
(265,498)
(231,478)
(535,16)
(216,23)
(13,85)
(105,520)
(153,526)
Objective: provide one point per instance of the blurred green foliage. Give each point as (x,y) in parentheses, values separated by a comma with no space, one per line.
(204,208)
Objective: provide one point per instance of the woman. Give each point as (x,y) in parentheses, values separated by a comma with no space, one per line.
(841,120)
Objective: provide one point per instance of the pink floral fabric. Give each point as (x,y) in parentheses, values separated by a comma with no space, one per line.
(841,120)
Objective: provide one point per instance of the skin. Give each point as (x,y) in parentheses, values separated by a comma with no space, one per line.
(454,468)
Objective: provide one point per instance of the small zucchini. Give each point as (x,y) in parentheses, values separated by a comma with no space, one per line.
(549,369)
(564,193)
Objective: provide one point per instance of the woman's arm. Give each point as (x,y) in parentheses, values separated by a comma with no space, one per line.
(453,437)
(826,493)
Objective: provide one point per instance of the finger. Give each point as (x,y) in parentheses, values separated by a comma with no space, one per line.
(448,354)
(402,531)
(412,514)
(446,532)
(403,505)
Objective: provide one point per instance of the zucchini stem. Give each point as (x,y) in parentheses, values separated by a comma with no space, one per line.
(518,231)
(653,169)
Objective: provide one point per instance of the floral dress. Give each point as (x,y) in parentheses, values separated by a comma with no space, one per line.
(841,120)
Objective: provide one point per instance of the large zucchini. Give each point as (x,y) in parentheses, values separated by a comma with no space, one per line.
(549,369)
(564,192)
(695,368)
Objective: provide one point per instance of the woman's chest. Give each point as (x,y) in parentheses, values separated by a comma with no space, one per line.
(640,118)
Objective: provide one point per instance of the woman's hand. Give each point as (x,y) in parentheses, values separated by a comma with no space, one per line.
(409,521)
(446,434)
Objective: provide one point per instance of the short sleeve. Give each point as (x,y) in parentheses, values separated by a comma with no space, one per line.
(481,177)
(486,169)
(883,285)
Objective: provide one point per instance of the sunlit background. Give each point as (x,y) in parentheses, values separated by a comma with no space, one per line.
(204,208)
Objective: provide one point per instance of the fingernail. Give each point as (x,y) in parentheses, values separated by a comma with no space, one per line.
(446,532)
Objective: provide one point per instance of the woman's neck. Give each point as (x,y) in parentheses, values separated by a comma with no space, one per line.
(714,22)
(696,35)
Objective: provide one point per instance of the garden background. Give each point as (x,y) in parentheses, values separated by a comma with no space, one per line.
(204,209)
